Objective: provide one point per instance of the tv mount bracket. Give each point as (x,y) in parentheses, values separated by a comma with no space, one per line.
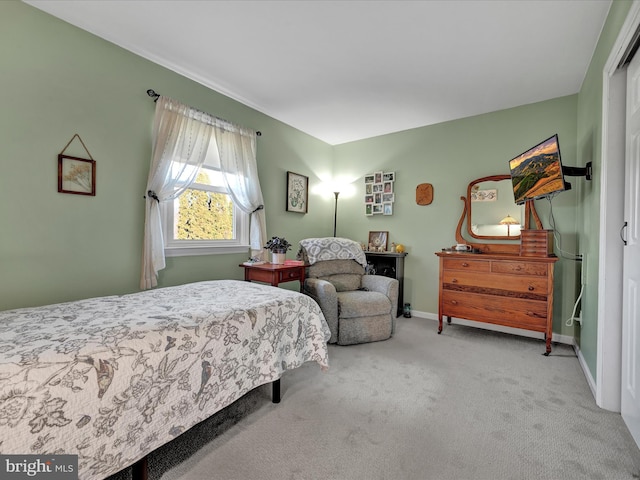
(578,171)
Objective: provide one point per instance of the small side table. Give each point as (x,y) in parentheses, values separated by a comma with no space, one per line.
(274,274)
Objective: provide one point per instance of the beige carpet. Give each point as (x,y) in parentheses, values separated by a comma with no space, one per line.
(467,404)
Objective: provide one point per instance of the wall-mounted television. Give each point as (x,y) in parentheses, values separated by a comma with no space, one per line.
(537,172)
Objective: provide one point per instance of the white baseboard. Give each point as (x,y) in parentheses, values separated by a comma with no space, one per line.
(585,369)
(557,338)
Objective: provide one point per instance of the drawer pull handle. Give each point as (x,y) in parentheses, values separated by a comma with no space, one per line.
(465,264)
(454,302)
(531,289)
(454,280)
(518,268)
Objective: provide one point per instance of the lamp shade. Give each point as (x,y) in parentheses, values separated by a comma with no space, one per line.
(509,220)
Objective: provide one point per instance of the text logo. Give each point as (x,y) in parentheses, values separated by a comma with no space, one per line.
(39,467)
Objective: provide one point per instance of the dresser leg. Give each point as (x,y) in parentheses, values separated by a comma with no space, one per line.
(548,342)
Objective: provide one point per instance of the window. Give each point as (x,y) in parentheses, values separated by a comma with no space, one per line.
(204,219)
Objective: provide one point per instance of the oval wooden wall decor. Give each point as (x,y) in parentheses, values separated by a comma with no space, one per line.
(424,194)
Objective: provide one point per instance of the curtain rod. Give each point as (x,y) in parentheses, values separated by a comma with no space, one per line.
(152,93)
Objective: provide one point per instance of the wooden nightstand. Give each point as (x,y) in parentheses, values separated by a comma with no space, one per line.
(274,274)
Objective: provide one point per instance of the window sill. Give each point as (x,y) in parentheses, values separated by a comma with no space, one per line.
(193,251)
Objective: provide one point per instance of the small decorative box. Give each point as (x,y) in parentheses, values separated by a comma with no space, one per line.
(536,243)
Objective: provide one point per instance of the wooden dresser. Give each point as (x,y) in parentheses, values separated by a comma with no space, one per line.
(503,289)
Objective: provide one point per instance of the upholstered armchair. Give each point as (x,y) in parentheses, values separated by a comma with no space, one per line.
(358,308)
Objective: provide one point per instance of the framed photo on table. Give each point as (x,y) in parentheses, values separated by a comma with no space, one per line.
(378,239)
(297,192)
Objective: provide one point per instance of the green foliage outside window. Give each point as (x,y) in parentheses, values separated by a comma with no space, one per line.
(204,215)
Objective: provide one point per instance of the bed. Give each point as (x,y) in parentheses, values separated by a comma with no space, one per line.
(113,378)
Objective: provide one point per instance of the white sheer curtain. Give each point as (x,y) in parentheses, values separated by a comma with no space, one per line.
(181,137)
(237,152)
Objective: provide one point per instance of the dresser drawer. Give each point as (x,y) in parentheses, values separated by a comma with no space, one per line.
(504,283)
(517,313)
(465,264)
(519,268)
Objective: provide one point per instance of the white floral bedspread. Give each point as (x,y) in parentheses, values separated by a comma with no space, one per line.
(111,379)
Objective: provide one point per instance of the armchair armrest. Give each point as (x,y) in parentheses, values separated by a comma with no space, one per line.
(324,293)
(385,285)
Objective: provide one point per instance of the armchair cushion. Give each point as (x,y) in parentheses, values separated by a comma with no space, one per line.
(344,282)
(345,275)
(360,303)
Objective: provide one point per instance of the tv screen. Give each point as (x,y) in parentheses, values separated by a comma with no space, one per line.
(537,172)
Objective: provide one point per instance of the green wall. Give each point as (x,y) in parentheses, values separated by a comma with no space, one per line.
(589,147)
(449,156)
(57,80)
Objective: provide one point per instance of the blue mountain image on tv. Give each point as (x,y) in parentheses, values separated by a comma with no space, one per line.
(537,176)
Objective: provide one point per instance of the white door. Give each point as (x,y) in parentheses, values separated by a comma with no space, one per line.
(630,401)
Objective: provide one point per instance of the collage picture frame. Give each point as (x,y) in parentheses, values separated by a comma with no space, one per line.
(379,195)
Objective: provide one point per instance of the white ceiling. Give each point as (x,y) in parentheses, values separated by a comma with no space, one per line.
(347,70)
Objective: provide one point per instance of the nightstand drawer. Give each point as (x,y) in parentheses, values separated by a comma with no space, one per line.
(274,274)
(289,275)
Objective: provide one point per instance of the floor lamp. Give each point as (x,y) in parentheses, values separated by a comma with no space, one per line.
(335,213)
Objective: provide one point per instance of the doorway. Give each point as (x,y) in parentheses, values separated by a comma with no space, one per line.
(612,198)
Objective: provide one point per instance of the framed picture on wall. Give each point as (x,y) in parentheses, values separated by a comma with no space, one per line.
(297,192)
(379,191)
(490,195)
(76,175)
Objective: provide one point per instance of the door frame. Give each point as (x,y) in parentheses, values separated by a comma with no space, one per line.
(609,343)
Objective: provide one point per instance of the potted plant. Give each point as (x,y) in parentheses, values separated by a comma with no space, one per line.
(278,247)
